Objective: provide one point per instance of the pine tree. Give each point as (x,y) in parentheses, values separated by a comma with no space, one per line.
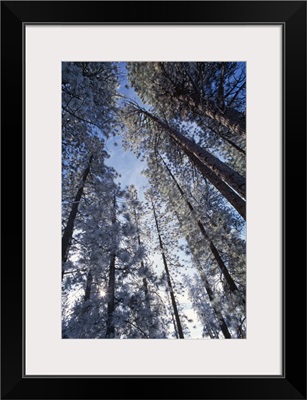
(178,324)
(88,115)
(218,258)
(145,132)
(192,228)
(212,90)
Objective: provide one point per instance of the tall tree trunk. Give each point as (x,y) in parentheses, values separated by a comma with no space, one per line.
(147,299)
(168,277)
(145,284)
(215,307)
(146,292)
(213,301)
(234,145)
(87,294)
(228,117)
(68,231)
(88,289)
(220,262)
(234,199)
(110,332)
(175,326)
(225,173)
(233,287)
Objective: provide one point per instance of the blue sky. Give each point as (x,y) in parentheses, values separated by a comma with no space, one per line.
(125,162)
(127,165)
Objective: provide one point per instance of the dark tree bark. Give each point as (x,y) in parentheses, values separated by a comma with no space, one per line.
(110,332)
(88,288)
(234,199)
(145,284)
(147,300)
(168,277)
(234,145)
(228,117)
(216,309)
(228,175)
(218,258)
(233,287)
(68,231)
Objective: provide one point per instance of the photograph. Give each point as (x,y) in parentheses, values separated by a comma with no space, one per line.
(154,200)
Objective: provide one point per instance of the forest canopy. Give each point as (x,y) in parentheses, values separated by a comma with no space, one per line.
(164,257)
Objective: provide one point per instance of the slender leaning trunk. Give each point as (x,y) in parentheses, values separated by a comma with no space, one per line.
(234,145)
(68,231)
(218,258)
(168,277)
(110,332)
(147,301)
(232,286)
(145,284)
(230,142)
(146,293)
(89,281)
(234,199)
(214,304)
(213,300)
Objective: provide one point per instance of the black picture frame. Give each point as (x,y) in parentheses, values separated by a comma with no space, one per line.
(292,16)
